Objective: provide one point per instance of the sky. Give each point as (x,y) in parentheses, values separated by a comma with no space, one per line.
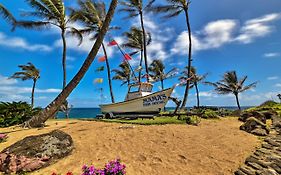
(239,35)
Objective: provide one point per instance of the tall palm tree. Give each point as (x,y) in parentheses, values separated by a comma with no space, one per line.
(135,41)
(173,9)
(195,79)
(28,72)
(6,14)
(157,72)
(92,15)
(52,108)
(123,74)
(50,13)
(135,8)
(230,84)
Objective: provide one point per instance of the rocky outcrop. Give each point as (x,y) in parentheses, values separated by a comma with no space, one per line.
(258,115)
(35,152)
(255,126)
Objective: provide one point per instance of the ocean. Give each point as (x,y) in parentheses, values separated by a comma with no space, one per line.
(78,113)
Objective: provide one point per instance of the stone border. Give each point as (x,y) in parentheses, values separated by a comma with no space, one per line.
(267,159)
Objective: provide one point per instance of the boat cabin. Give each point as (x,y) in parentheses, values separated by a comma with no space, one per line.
(138,90)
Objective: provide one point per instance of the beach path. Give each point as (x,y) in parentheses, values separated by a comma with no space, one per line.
(215,147)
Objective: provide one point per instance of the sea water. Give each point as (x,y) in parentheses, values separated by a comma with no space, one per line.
(78,113)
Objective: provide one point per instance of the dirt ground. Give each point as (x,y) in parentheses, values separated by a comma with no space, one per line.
(214,147)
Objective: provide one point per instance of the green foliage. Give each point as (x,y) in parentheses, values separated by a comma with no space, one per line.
(210,114)
(16,113)
(268,103)
(192,120)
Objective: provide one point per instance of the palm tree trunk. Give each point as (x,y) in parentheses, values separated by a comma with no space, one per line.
(108,74)
(144,46)
(32,93)
(162,84)
(141,58)
(237,100)
(197,94)
(189,60)
(63,57)
(53,106)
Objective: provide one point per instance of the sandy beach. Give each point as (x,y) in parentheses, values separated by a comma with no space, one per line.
(214,147)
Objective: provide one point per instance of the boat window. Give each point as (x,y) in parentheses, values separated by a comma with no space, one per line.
(146,88)
(134,89)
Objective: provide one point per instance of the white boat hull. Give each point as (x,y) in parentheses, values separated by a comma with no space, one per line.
(146,104)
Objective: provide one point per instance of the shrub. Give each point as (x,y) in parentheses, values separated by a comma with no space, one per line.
(209,114)
(193,120)
(268,103)
(114,167)
(16,113)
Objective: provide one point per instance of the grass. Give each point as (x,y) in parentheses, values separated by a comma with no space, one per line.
(156,121)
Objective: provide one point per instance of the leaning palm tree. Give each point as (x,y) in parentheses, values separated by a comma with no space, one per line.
(53,107)
(230,84)
(135,8)
(6,14)
(123,74)
(92,15)
(195,79)
(135,42)
(28,72)
(157,72)
(173,9)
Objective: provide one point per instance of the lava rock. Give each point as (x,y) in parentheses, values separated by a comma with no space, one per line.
(35,152)
(255,126)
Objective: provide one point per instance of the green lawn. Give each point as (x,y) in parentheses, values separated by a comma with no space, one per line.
(156,121)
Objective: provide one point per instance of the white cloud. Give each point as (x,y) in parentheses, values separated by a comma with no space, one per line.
(214,35)
(257,27)
(221,32)
(17,42)
(24,90)
(7,81)
(278,85)
(273,78)
(272,54)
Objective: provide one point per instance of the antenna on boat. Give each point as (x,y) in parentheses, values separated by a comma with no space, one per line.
(124,55)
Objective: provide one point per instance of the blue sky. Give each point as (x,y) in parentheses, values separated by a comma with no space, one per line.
(229,35)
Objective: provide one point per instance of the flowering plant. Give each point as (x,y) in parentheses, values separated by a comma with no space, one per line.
(114,167)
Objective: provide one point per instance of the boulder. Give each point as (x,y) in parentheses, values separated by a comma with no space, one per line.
(258,115)
(35,152)
(255,126)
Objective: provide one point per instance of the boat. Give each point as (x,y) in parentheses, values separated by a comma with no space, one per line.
(139,100)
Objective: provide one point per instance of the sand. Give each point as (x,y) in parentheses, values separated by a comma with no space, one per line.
(214,147)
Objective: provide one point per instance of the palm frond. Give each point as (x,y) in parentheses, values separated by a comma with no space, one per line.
(7,15)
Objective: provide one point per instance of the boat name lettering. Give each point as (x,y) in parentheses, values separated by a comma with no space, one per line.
(154,100)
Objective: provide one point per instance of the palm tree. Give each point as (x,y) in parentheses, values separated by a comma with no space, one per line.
(134,41)
(92,15)
(195,79)
(50,13)
(53,107)
(230,84)
(123,74)
(173,9)
(157,72)
(135,8)
(29,72)
(7,15)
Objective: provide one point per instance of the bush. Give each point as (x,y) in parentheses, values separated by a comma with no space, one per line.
(16,113)
(210,114)
(268,103)
(193,120)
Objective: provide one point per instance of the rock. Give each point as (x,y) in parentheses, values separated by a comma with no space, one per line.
(269,114)
(260,132)
(258,115)
(247,170)
(35,152)
(254,126)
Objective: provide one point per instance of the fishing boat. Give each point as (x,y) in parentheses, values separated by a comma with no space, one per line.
(139,100)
